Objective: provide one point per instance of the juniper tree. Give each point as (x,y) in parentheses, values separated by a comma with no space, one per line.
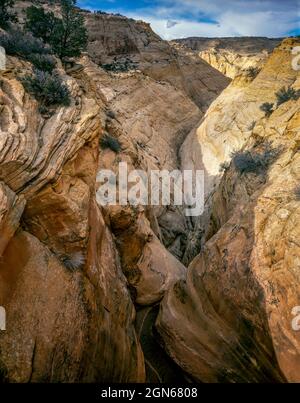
(71,34)
(6,15)
(42,24)
(66,35)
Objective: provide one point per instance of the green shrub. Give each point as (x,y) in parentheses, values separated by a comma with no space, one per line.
(267,108)
(47,88)
(285,94)
(255,162)
(118,66)
(110,142)
(23,44)
(41,24)
(100,12)
(6,15)
(26,46)
(42,62)
(111,114)
(67,36)
(244,162)
(252,72)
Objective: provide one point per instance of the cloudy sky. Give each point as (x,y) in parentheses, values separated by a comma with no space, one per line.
(182,18)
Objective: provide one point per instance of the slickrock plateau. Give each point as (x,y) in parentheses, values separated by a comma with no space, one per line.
(141,293)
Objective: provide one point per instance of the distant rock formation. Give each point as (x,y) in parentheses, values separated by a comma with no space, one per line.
(231,55)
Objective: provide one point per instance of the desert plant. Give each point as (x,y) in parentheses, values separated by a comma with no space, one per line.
(244,162)
(111,114)
(73,261)
(110,142)
(100,12)
(42,24)
(71,34)
(252,71)
(23,44)
(47,88)
(267,108)
(255,162)
(285,94)
(26,46)
(6,15)
(42,62)
(67,35)
(118,66)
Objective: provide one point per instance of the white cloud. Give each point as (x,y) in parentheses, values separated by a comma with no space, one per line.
(184,29)
(257,24)
(273,18)
(173,19)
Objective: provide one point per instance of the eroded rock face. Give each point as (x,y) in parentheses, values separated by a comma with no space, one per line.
(48,167)
(11,211)
(230,320)
(71,271)
(61,327)
(119,40)
(150,143)
(69,312)
(235,116)
(232,55)
(150,269)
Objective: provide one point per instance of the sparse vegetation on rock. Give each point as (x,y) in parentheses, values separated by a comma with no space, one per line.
(85,265)
(47,88)
(111,114)
(110,142)
(282,96)
(23,44)
(42,62)
(6,13)
(67,35)
(252,72)
(255,162)
(267,108)
(119,66)
(74,261)
(286,94)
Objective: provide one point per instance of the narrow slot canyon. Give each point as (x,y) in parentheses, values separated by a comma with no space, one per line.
(146,293)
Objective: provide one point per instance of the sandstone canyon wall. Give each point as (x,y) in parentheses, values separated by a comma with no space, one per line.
(230,320)
(82,284)
(69,305)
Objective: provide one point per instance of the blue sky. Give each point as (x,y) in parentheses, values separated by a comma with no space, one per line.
(181,18)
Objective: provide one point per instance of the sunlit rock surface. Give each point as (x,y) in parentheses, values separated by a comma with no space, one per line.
(231,320)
